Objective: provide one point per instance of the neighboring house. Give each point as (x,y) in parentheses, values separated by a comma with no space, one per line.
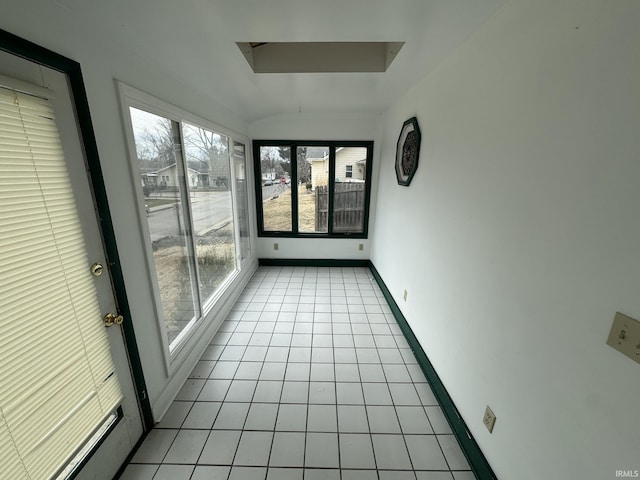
(270,176)
(319,171)
(167,178)
(149,180)
(350,166)
(213,172)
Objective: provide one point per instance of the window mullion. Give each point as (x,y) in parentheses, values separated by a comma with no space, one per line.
(332,178)
(257,176)
(367,200)
(294,188)
(181,164)
(235,208)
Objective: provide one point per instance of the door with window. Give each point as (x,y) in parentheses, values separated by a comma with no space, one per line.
(68,406)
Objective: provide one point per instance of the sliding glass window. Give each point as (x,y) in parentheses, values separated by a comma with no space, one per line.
(159,153)
(193,182)
(209,183)
(242,198)
(313,188)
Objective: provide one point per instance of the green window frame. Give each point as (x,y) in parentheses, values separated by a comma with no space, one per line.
(283,173)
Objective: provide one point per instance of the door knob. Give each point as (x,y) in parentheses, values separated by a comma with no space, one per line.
(112,319)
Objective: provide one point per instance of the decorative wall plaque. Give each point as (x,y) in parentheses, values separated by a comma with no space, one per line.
(407,151)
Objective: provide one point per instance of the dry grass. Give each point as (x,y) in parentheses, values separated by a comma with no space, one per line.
(306,211)
(277,212)
(216,260)
(175,287)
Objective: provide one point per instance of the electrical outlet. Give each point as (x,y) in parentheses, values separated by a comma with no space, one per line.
(361,246)
(276,246)
(625,336)
(404,295)
(489,419)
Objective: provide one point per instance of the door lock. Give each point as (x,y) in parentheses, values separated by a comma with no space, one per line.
(97,269)
(112,319)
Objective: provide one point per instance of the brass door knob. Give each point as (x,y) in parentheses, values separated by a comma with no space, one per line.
(112,319)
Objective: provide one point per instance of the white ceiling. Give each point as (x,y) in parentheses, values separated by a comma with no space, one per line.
(194,40)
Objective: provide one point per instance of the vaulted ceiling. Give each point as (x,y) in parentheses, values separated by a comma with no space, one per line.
(195,40)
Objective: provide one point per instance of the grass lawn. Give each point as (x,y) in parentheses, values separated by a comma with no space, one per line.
(216,260)
(277,212)
(306,211)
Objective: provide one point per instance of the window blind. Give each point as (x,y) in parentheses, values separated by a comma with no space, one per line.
(57,379)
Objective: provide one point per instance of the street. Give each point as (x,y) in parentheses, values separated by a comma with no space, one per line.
(208,209)
(270,190)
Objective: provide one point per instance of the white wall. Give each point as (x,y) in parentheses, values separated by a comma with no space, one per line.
(51,26)
(303,126)
(518,238)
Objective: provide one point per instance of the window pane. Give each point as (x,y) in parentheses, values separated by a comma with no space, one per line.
(209,175)
(242,202)
(158,147)
(349,191)
(275,173)
(313,190)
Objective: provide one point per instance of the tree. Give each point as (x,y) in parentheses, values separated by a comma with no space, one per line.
(155,145)
(208,153)
(285,160)
(205,145)
(303,166)
(269,161)
(285,163)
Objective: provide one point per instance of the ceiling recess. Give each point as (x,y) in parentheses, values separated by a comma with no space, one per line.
(319,57)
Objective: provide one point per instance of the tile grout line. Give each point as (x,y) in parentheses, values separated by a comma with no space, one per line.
(335,384)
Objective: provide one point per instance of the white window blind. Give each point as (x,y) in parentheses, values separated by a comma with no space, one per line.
(57,379)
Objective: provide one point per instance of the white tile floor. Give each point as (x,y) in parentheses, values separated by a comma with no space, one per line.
(308,378)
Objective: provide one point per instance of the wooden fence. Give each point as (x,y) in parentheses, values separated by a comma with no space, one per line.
(348,207)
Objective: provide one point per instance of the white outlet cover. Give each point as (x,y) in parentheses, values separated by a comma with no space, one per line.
(624,336)
(489,419)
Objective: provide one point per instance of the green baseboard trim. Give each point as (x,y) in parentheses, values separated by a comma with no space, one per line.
(475,457)
(306,262)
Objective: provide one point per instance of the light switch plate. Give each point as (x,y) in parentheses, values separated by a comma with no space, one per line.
(625,336)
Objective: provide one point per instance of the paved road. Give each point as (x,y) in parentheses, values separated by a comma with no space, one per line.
(271,190)
(208,208)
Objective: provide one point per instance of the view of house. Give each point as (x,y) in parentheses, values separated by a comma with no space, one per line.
(350,166)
